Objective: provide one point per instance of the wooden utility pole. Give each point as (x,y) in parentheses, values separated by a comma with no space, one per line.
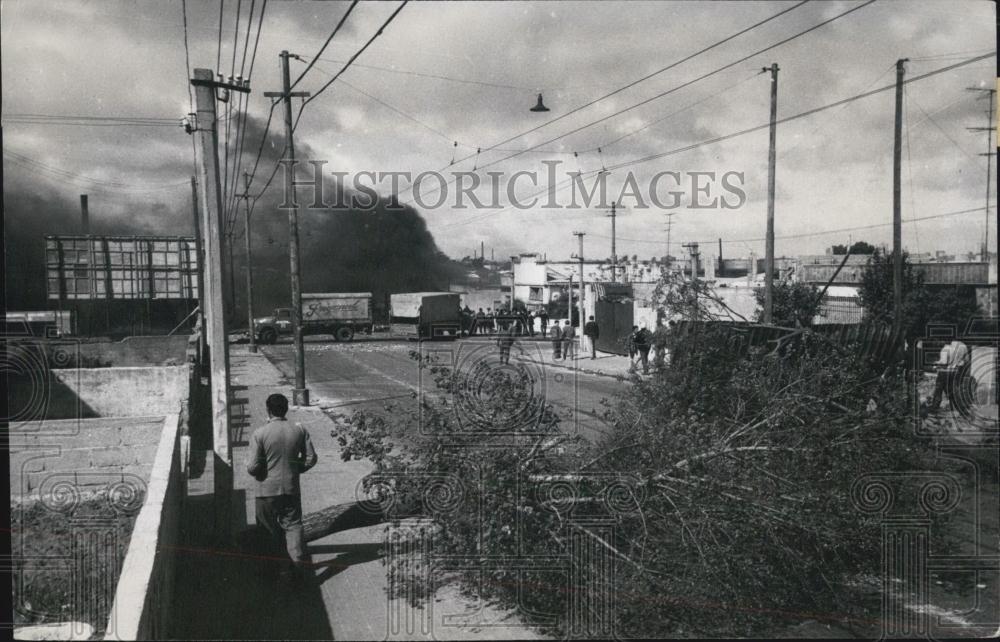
(771,167)
(84,215)
(200,272)
(614,254)
(207,157)
(990,153)
(300,393)
(579,236)
(897,215)
(670,224)
(246,233)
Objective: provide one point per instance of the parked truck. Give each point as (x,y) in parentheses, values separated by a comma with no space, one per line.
(425,315)
(338,313)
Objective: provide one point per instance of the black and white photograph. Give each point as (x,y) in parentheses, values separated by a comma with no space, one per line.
(500,320)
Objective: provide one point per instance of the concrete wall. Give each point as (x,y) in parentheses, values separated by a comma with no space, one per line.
(88,453)
(135,351)
(142,606)
(98,392)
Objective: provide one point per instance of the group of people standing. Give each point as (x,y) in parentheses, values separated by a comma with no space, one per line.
(496,321)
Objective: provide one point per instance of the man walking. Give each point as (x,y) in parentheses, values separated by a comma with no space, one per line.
(951,365)
(592,332)
(568,340)
(279,453)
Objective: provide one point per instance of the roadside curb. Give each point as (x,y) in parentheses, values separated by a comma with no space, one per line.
(598,373)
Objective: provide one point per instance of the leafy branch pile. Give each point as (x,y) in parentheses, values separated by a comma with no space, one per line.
(733,513)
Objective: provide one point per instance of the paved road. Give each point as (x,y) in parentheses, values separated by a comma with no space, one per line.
(369,374)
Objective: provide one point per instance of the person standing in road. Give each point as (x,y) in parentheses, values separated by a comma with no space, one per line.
(643,341)
(951,367)
(279,452)
(506,339)
(592,331)
(568,341)
(480,322)
(556,337)
(630,345)
(544,316)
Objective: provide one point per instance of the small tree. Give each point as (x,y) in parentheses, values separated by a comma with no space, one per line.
(858,247)
(922,304)
(794,303)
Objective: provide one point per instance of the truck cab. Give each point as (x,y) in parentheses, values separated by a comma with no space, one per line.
(268,329)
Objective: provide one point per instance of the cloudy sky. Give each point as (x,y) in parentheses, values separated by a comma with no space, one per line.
(443,73)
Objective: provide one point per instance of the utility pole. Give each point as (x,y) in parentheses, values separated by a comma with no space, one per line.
(771,166)
(718,272)
(614,254)
(207,153)
(897,216)
(246,232)
(200,267)
(230,238)
(84,215)
(990,153)
(670,224)
(300,393)
(579,236)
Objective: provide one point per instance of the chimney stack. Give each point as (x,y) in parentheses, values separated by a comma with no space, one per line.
(84,214)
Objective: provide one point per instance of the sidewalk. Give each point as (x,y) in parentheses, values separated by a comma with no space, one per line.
(351,576)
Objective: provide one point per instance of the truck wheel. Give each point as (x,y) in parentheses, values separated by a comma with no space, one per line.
(344,333)
(268,336)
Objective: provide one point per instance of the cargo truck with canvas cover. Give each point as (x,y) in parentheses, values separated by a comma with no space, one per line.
(425,315)
(338,313)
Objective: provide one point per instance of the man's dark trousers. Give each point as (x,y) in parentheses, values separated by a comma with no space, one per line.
(280,517)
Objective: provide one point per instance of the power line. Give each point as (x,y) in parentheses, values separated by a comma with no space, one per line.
(94,183)
(644,78)
(691,82)
(242,135)
(683,85)
(356,54)
(343,18)
(803,114)
(407,72)
(736,134)
(187,56)
(157,119)
(324,87)
(218,54)
(823,232)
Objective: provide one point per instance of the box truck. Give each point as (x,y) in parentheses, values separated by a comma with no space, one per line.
(338,313)
(425,315)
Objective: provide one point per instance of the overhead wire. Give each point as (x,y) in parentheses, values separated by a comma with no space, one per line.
(736,134)
(358,53)
(333,33)
(218,53)
(95,183)
(685,84)
(305,102)
(803,235)
(645,78)
(241,125)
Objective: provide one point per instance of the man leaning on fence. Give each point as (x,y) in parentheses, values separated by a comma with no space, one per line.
(280,451)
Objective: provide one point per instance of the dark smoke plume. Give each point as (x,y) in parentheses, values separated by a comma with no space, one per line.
(380,251)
